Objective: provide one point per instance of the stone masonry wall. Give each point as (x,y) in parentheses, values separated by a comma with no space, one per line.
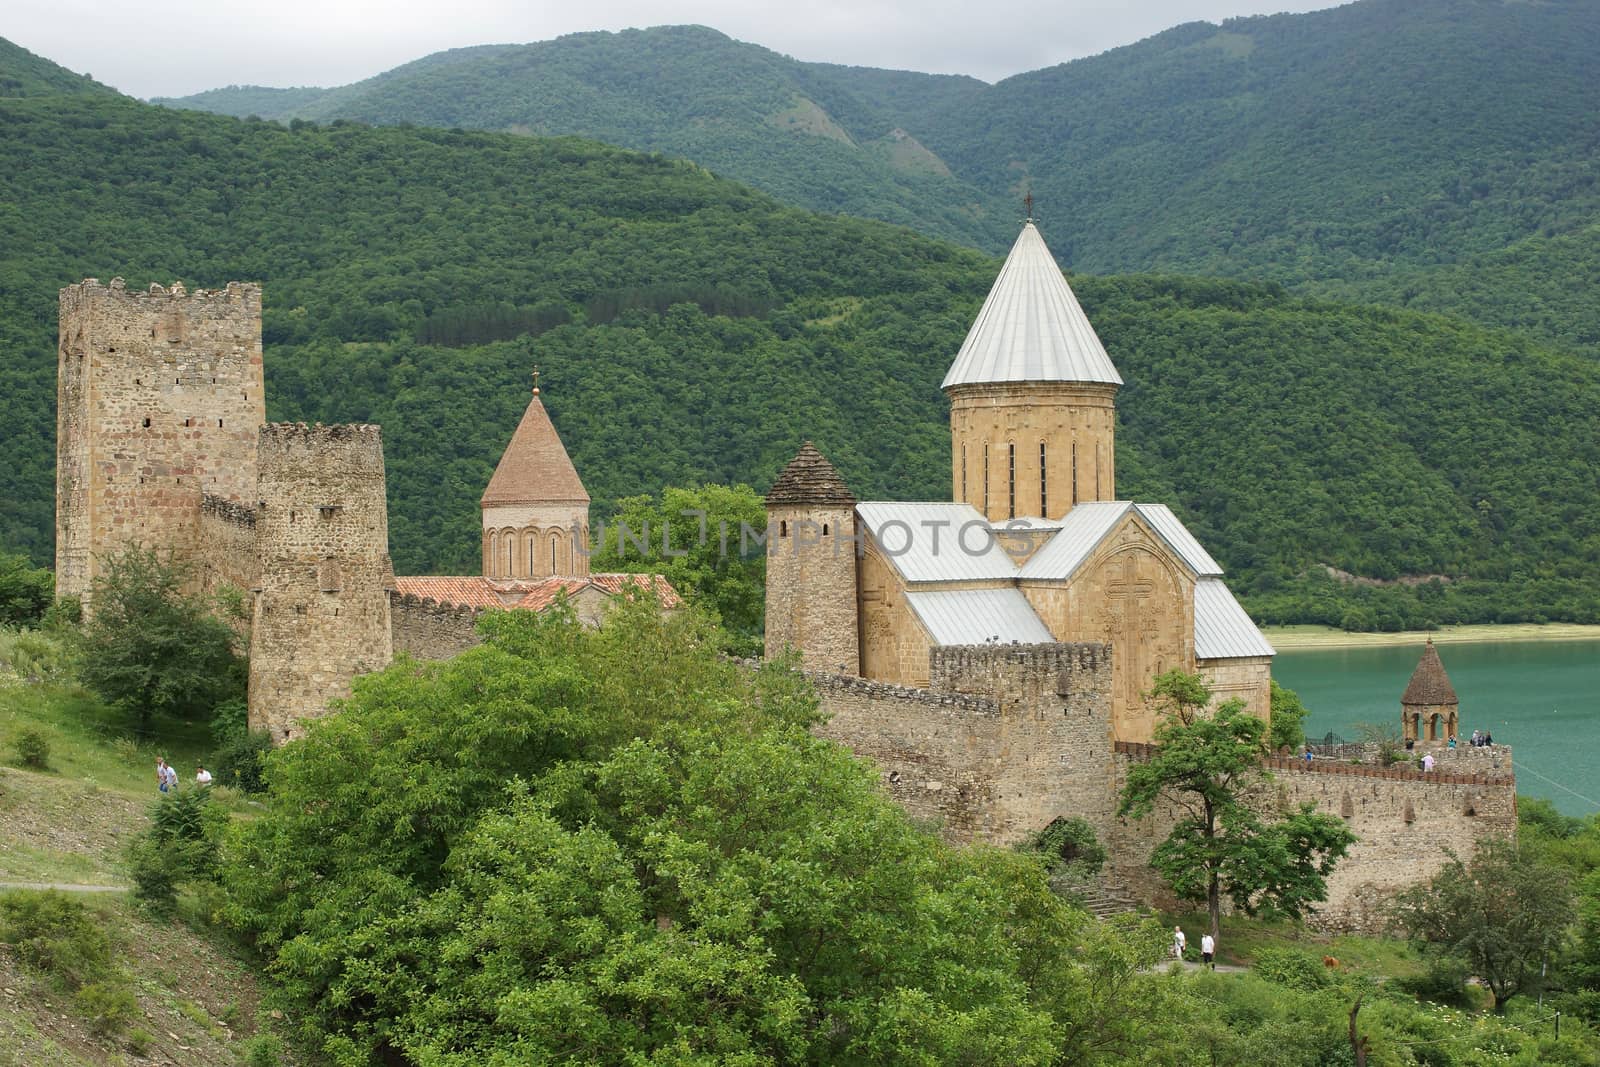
(426,629)
(1406,824)
(159,399)
(1008,738)
(322,599)
(811,586)
(225,549)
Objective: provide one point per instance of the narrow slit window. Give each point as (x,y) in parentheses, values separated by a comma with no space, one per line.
(1011,480)
(1074,472)
(986,480)
(1044,496)
(963,472)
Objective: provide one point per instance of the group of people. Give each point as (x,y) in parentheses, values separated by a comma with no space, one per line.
(167,775)
(1481,739)
(1208,947)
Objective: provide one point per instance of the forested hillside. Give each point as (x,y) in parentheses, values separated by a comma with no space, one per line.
(692,330)
(687,91)
(1381,147)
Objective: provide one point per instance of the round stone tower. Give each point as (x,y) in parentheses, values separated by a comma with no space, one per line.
(811,565)
(1032,396)
(1429,702)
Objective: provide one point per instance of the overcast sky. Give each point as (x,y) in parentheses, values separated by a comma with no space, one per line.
(177,47)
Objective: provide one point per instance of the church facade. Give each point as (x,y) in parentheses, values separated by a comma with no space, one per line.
(1033,546)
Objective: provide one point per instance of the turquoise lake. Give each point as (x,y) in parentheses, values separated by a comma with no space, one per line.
(1540,697)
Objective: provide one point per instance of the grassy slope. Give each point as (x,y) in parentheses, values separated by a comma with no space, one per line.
(197,998)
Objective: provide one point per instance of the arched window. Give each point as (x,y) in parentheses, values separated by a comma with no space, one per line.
(530,549)
(783,527)
(491,542)
(508,545)
(963,469)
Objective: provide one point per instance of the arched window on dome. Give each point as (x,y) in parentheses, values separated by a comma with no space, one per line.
(1044,489)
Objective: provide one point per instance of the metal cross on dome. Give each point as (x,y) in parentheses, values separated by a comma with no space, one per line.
(536,379)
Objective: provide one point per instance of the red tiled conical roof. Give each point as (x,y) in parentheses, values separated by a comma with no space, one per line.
(535,467)
(810,479)
(1429,684)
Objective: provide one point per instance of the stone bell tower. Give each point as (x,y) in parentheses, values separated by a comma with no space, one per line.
(1429,710)
(811,565)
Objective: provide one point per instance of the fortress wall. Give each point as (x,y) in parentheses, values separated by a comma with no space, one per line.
(159,401)
(425,629)
(1010,738)
(225,551)
(322,601)
(1406,823)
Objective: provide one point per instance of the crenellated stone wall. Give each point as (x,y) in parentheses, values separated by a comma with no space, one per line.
(322,598)
(1007,739)
(159,399)
(225,550)
(1407,824)
(426,629)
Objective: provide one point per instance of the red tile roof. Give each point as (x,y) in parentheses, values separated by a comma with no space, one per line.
(534,594)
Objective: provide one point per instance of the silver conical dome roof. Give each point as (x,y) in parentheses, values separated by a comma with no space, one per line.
(1031,328)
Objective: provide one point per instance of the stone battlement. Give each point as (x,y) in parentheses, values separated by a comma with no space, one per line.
(1335,768)
(118,289)
(866,689)
(226,510)
(354,444)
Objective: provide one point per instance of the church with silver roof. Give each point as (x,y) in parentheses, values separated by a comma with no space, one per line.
(1033,546)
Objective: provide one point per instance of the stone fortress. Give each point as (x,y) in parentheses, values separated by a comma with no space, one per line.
(989,653)
(162,443)
(992,653)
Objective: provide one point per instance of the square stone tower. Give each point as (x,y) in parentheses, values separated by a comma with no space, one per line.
(159,400)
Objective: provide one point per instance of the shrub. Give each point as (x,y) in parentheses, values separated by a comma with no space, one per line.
(33,749)
(263,1050)
(109,1007)
(57,934)
(239,761)
(140,1041)
(1069,847)
(180,846)
(1443,981)
(1287,967)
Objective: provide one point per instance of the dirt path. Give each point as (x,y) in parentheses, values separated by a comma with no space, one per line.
(65,887)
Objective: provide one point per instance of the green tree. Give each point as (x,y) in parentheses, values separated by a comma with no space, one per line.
(693,537)
(25,590)
(1284,730)
(1207,766)
(615,846)
(152,649)
(1504,911)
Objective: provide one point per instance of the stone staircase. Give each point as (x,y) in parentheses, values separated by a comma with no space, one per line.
(1100,897)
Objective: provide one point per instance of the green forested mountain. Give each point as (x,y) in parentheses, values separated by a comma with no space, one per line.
(693,330)
(24,74)
(687,91)
(1365,148)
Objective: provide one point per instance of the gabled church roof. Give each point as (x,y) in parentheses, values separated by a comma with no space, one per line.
(936,542)
(1031,328)
(535,467)
(1087,524)
(1222,628)
(1429,683)
(978,616)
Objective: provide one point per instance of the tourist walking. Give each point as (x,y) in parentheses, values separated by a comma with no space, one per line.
(162,770)
(1427,762)
(1179,942)
(202,776)
(1208,952)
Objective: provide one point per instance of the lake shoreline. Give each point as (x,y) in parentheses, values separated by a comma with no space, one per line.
(1285,638)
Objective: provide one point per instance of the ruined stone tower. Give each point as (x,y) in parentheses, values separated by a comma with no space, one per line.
(811,565)
(159,399)
(322,602)
(535,508)
(1429,708)
(1032,397)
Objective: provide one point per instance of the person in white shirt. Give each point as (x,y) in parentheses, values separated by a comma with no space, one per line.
(1179,942)
(1427,763)
(1208,952)
(202,777)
